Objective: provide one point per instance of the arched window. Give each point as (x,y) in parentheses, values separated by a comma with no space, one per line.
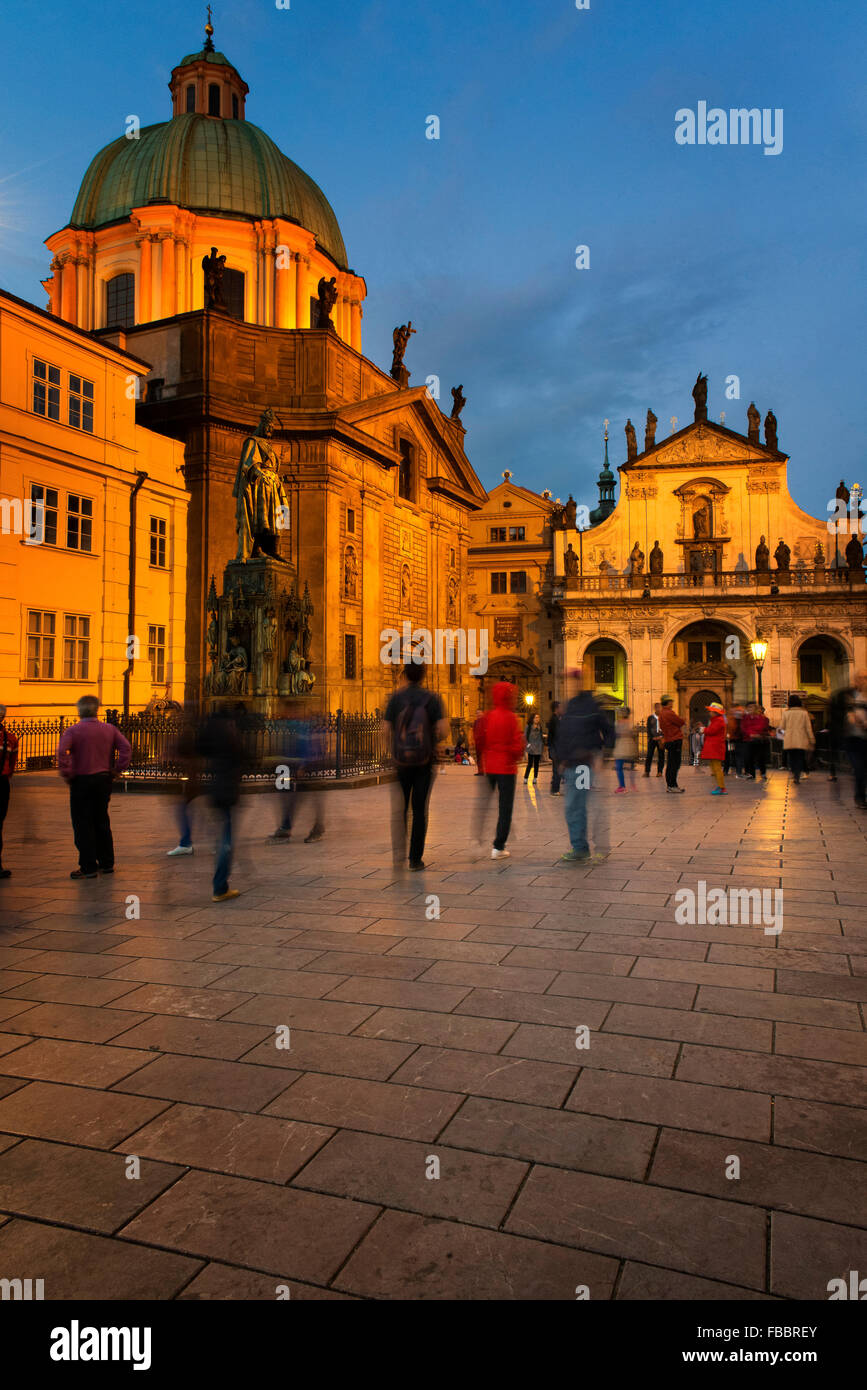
(120,302)
(235,107)
(405,471)
(213,99)
(233,292)
(191,98)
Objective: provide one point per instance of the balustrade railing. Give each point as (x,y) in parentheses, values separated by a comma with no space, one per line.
(760,581)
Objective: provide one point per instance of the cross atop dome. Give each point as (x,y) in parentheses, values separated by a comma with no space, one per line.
(209,34)
(207,84)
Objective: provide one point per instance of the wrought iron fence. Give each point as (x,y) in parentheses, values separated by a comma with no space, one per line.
(345,745)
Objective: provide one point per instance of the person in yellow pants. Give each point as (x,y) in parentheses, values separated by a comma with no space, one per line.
(713,749)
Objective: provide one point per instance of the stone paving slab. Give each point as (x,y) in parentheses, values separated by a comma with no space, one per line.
(434,1017)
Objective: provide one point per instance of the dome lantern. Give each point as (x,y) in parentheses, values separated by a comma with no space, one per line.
(207,84)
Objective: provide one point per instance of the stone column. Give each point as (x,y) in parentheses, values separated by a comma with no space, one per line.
(67,309)
(283,292)
(145,293)
(169,278)
(355,324)
(302,312)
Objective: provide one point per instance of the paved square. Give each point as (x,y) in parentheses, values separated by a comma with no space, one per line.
(494,1080)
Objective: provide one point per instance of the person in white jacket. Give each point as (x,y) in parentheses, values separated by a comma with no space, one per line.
(798,737)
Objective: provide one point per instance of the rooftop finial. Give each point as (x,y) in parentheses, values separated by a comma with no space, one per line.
(209,34)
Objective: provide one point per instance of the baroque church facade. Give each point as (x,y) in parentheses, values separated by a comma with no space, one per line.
(667,588)
(200,248)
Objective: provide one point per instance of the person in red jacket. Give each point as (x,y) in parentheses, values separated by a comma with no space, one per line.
(499,745)
(671,732)
(714,746)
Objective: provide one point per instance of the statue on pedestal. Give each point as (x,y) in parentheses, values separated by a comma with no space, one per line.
(650,431)
(213,266)
(259,494)
(631,444)
(754,419)
(327,291)
(701,522)
(570,514)
(699,395)
(763,556)
(570,562)
(855,554)
(783,555)
(656,559)
(819,557)
(636,559)
(460,401)
(401,337)
(770,430)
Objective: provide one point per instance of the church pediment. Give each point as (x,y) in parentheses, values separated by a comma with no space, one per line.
(705,442)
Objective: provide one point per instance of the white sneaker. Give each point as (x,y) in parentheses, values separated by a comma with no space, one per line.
(500,854)
(179,849)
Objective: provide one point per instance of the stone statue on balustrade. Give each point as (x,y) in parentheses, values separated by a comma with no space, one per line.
(650,431)
(656,559)
(631,443)
(770,430)
(327,291)
(754,420)
(699,395)
(636,560)
(213,267)
(570,513)
(855,554)
(570,563)
(783,555)
(763,556)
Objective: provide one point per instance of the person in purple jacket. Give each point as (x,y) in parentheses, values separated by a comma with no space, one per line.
(89,756)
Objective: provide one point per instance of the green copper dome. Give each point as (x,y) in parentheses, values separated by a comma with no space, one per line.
(208,165)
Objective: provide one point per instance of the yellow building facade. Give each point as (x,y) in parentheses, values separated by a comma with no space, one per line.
(92,525)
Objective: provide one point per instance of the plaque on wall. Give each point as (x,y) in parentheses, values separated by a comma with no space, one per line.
(508,632)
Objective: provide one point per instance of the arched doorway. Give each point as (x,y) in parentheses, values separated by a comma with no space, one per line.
(605,672)
(821,669)
(709,660)
(698,704)
(522,674)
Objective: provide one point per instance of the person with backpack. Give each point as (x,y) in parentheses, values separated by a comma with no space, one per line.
(416,721)
(582,735)
(500,744)
(8,757)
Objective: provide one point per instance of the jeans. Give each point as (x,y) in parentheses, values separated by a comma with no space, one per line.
(555,778)
(192,789)
(224,850)
(757,756)
(504,784)
(533,760)
(619,764)
(659,750)
(674,753)
(857,751)
(89,796)
(413,789)
(576,811)
(5,784)
(797,762)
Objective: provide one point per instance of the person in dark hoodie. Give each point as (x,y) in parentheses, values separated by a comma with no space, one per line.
(582,735)
(499,745)
(553,724)
(221,746)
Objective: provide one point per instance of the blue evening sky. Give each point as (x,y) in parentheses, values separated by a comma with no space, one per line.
(557,129)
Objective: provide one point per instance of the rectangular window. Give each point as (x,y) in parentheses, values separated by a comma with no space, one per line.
(191,98)
(350,520)
(349,663)
(694,651)
(48,497)
(453,667)
(604,670)
(157,654)
(120,302)
(452,557)
(80,403)
(713,651)
(498,583)
(76,647)
(498,533)
(46,389)
(811,668)
(158,542)
(79,523)
(516,533)
(518,582)
(40,645)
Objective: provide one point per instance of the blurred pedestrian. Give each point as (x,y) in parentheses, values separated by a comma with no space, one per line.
(307,756)
(535,746)
(222,747)
(798,737)
(185,755)
(477,724)
(755,728)
(625,749)
(839,710)
(502,744)
(671,732)
(583,734)
(714,746)
(90,755)
(696,738)
(856,737)
(553,724)
(655,745)
(8,758)
(416,721)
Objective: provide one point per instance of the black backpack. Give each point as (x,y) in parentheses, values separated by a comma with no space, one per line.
(413,737)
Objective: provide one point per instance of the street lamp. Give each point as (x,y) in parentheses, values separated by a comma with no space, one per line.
(529,700)
(759,649)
